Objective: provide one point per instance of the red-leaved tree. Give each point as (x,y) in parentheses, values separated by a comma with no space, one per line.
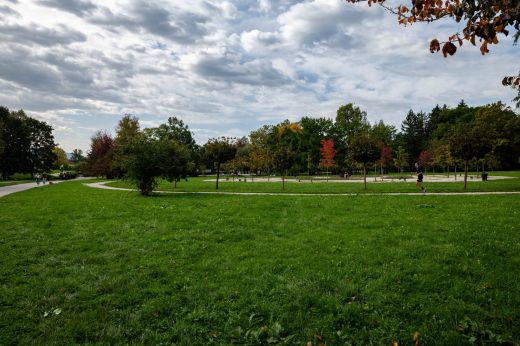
(425,158)
(386,157)
(327,154)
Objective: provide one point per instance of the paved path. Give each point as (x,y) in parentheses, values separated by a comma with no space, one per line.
(101,185)
(7,190)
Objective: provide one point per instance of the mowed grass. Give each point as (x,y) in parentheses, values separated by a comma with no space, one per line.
(199,184)
(84,265)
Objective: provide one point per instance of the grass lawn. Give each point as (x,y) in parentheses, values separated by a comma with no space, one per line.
(208,184)
(84,265)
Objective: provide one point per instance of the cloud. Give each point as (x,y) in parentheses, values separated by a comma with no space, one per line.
(176,25)
(321,23)
(8,11)
(229,68)
(256,40)
(77,7)
(35,34)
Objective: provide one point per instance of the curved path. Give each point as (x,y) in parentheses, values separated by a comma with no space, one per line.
(9,189)
(101,185)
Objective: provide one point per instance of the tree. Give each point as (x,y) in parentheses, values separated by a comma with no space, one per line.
(60,158)
(260,155)
(468,142)
(385,134)
(484,20)
(148,158)
(28,143)
(127,129)
(101,155)
(314,130)
(16,142)
(425,158)
(286,143)
(401,159)
(220,150)
(327,154)
(413,134)
(506,125)
(364,149)
(386,157)
(441,155)
(77,155)
(175,129)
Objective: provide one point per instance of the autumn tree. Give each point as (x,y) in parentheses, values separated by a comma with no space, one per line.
(425,158)
(100,156)
(401,159)
(261,154)
(314,130)
(285,142)
(327,155)
(60,159)
(127,129)
(483,22)
(385,157)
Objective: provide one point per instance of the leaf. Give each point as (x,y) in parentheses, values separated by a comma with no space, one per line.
(434,46)
(57,311)
(448,48)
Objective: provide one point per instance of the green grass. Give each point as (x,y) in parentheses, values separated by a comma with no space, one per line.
(204,184)
(224,269)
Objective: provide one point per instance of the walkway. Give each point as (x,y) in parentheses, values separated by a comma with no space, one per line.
(101,185)
(7,190)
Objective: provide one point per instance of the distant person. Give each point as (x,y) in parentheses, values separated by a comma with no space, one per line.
(419,170)
(44,178)
(38,177)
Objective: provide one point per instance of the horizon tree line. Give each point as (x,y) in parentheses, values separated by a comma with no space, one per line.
(445,139)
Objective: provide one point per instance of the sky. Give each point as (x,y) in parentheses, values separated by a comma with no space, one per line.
(229,67)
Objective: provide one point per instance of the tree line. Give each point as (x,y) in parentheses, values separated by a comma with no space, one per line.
(445,139)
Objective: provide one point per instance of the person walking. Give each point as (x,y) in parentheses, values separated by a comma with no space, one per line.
(37,178)
(419,170)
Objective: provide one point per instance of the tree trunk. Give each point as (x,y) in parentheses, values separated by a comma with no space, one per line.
(455,172)
(218,172)
(465,174)
(175,184)
(365,175)
(283,181)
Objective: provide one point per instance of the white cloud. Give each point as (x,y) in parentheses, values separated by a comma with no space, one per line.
(228,67)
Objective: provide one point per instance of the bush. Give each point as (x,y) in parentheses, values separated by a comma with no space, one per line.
(68,175)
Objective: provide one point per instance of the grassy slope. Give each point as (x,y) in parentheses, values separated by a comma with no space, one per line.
(197,269)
